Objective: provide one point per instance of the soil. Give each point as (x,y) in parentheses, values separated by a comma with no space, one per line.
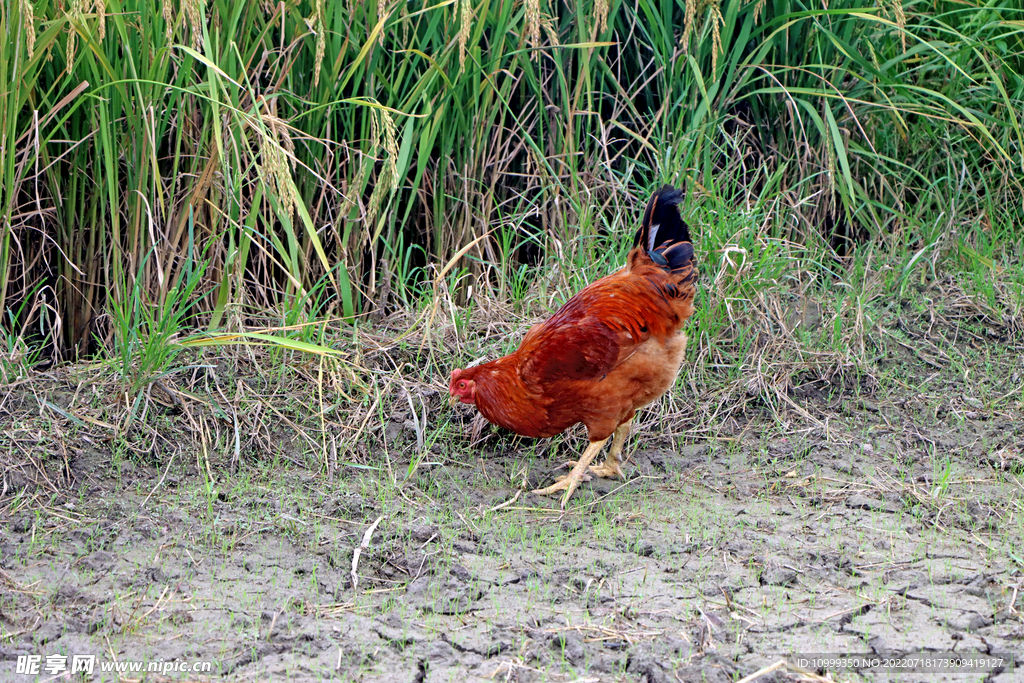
(894,528)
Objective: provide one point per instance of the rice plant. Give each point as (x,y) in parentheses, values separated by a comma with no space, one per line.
(332,157)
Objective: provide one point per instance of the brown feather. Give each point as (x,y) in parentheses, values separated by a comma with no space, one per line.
(611,349)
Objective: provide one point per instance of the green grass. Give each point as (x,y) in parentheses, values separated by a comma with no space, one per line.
(854,179)
(169,170)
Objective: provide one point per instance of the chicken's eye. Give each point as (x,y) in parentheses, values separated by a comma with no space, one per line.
(462,384)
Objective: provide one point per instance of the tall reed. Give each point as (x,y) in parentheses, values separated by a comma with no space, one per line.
(331,156)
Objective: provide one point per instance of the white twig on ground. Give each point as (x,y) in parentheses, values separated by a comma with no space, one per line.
(507,502)
(761,672)
(367,535)
(166,470)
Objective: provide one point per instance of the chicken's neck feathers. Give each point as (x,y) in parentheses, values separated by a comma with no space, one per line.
(506,400)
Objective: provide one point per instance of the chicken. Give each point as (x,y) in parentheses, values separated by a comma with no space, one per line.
(610,350)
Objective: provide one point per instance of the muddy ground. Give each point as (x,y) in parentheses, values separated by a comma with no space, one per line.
(896,526)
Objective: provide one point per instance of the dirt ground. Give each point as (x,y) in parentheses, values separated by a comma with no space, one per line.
(894,527)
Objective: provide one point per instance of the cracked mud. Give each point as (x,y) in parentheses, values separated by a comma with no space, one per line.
(715,559)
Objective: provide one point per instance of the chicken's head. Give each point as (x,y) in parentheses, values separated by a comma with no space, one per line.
(462,387)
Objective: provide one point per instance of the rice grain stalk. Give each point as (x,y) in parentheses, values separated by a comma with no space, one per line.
(274,161)
(194,14)
(316,24)
(717,22)
(759,8)
(689,17)
(383,134)
(29,23)
(532,25)
(552,30)
(601,15)
(829,143)
(382,14)
(74,15)
(167,10)
(465,30)
(100,8)
(896,8)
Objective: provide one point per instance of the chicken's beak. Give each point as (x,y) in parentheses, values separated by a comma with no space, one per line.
(452,400)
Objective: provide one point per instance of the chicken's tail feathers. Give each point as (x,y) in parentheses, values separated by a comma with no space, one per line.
(664,234)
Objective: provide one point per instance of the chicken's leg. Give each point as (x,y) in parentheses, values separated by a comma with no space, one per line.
(569,482)
(611,467)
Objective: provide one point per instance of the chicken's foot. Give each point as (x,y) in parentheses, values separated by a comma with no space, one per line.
(612,467)
(569,482)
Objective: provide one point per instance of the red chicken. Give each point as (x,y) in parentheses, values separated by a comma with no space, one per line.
(610,350)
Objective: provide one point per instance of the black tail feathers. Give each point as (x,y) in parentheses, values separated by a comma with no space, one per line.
(664,234)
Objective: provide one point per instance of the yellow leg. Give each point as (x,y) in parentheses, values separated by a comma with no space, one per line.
(612,467)
(569,482)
